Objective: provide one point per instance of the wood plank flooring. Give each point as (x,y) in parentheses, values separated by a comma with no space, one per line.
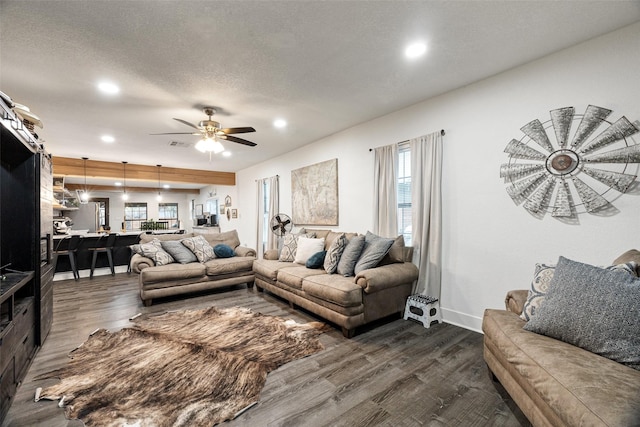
(396,374)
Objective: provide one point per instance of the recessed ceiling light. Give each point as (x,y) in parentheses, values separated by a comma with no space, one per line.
(107,138)
(117,183)
(165,186)
(227,154)
(415,50)
(280,123)
(108,88)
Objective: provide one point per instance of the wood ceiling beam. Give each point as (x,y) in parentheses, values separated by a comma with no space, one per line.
(98,169)
(90,188)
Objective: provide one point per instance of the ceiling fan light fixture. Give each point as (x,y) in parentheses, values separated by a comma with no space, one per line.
(209,145)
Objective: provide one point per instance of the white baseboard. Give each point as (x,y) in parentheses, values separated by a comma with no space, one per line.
(105,271)
(463,320)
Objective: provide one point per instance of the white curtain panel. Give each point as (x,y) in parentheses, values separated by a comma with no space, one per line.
(274,208)
(385,210)
(426,214)
(260,217)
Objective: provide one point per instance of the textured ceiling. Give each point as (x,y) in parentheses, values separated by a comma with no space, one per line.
(324,66)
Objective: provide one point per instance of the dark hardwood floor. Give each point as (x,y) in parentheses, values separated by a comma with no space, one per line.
(396,374)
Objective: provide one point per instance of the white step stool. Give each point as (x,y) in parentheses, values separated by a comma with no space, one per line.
(428,307)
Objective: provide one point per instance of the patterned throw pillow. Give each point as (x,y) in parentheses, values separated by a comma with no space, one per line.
(375,248)
(542,277)
(590,307)
(153,250)
(350,256)
(290,245)
(200,247)
(334,253)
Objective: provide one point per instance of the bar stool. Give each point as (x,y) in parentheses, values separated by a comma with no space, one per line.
(70,251)
(109,243)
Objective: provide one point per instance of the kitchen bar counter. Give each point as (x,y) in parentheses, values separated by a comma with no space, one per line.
(121,251)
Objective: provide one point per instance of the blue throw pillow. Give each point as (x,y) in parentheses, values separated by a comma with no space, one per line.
(223,251)
(316,260)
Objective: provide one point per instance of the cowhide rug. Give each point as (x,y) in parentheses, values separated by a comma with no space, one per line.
(189,368)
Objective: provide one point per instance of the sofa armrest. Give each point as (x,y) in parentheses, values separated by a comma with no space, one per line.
(515,300)
(387,276)
(139,263)
(271,254)
(242,251)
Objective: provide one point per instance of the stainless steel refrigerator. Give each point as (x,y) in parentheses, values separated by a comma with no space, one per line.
(86,217)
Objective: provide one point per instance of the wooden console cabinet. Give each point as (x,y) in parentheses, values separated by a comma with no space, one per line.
(26,273)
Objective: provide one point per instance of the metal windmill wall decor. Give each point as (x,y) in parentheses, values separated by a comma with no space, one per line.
(576,173)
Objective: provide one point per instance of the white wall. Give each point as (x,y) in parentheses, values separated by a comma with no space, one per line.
(490,244)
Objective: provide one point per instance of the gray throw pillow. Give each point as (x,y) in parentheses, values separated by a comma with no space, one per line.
(375,248)
(178,251)
(592,308)
(350,256)
(334,253)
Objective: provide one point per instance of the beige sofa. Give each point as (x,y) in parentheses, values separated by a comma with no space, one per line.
(348,302)
(157,281)
(555,383)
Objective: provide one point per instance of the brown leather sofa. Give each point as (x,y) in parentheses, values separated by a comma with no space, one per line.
(158,281)
(555,383)
(348,302)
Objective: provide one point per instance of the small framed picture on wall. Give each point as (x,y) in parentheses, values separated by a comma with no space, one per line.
(234,213)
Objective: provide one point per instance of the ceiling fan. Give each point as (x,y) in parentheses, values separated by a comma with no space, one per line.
(211,132)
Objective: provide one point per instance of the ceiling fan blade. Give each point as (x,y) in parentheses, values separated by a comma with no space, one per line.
(176,133)
(238,140)
(238,130)
(187,123)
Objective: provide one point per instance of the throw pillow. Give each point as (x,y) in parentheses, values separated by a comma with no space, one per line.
(316,260)
(590,307)
(350,256)
(334,253)
(153,250)
(223,251)
(396,252)
(542,280)
(306,248)
(178,251)
(375,248)
(290,245)
(632,255)
(200,247)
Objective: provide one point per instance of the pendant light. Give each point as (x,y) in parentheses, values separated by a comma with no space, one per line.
(125,196)
(84,196)
(159,196)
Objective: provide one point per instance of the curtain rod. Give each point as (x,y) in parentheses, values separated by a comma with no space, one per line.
(256,180)
(442,132)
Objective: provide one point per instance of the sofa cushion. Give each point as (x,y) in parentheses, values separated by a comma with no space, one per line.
(153,250)
(336,289)
(334,252)
(350,256)
(306,248)
(269,268)
(178,251)
(223,251)
(223,266)
(295,276)
(229,238)
(582,388)
(167,273)
(146,238)
(375,248)
(316,260)
(590,307)
(200,247)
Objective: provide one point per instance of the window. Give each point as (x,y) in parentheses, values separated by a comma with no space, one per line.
(168,212)
(404,192)
(134,214)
